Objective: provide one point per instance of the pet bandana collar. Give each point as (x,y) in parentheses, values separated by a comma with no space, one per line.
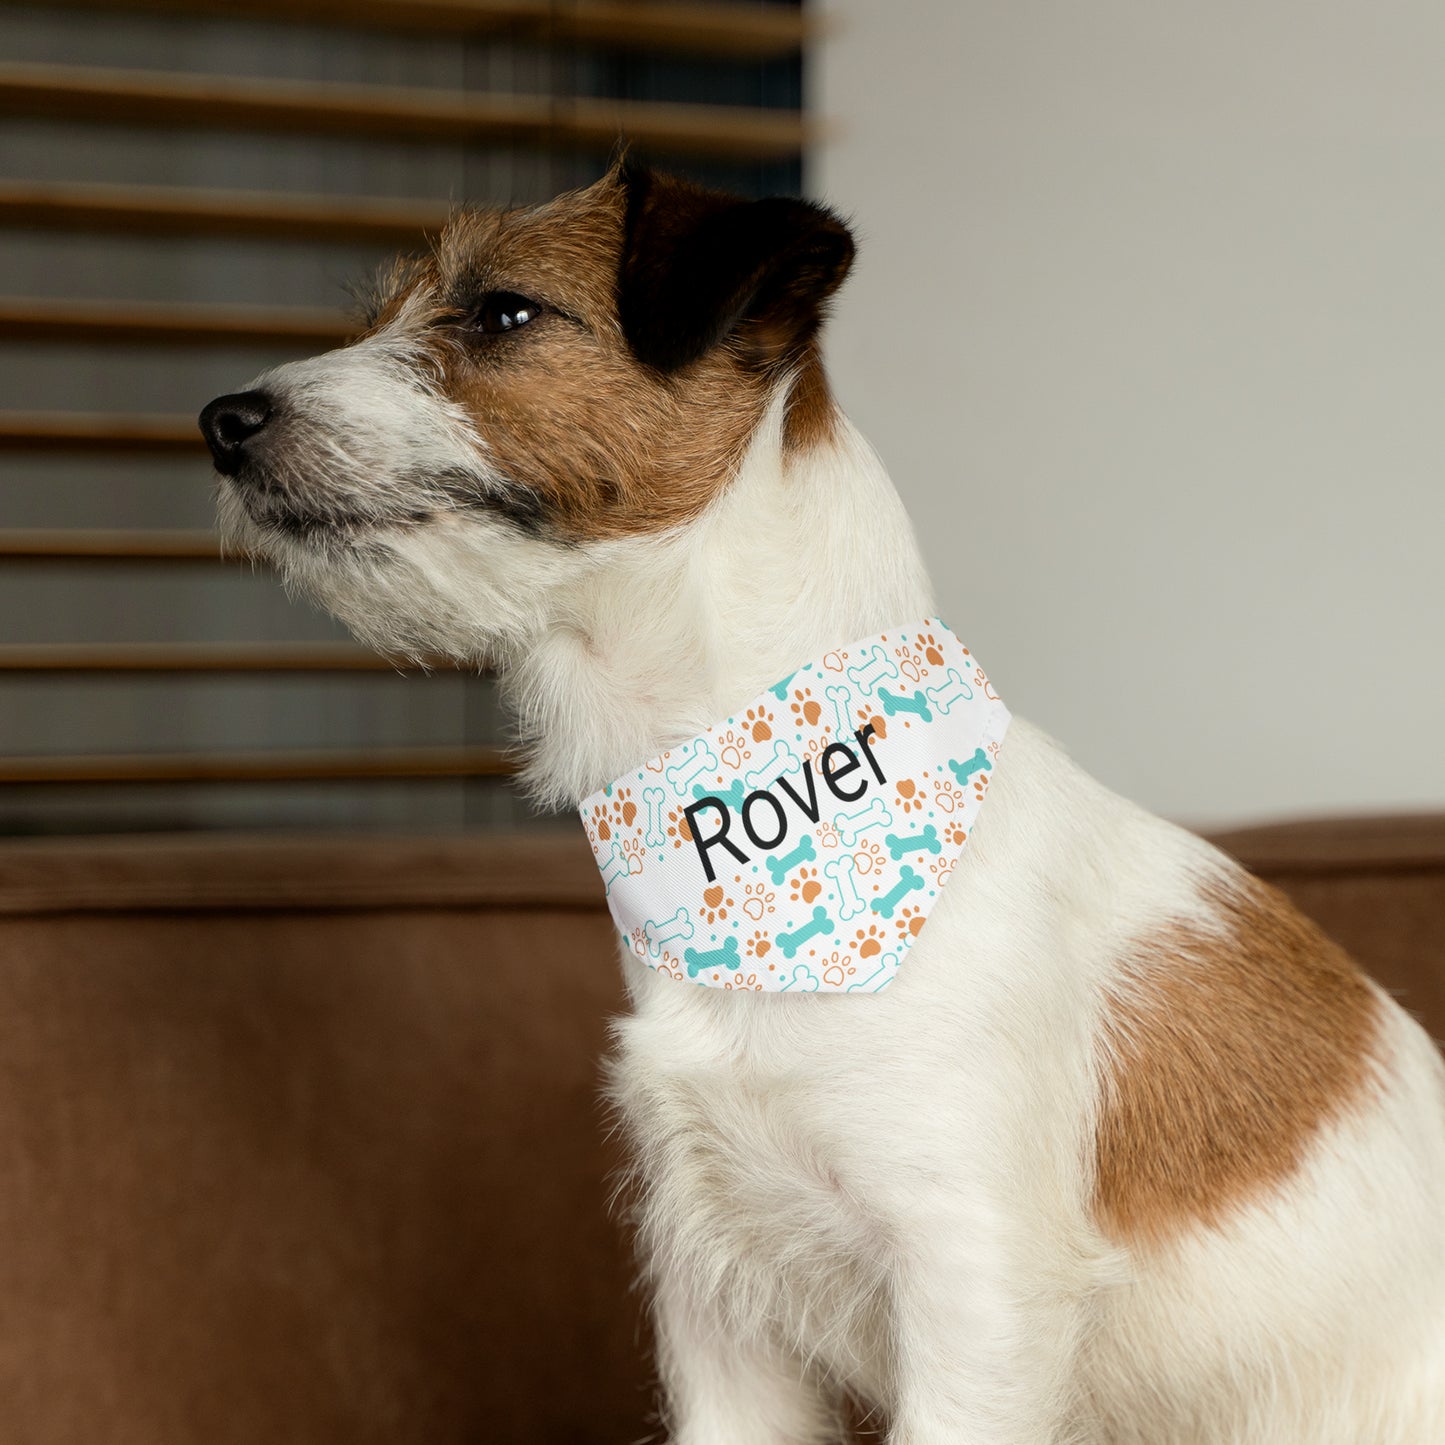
(800,844)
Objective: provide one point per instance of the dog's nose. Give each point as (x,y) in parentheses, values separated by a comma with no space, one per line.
(229,422)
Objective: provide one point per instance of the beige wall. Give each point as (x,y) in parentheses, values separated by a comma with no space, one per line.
(1149,323)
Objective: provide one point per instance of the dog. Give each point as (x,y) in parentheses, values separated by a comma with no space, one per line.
(1129,1152)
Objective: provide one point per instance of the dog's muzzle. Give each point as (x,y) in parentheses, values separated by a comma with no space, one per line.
(230,422)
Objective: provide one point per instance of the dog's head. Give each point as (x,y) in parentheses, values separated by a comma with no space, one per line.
(573,375)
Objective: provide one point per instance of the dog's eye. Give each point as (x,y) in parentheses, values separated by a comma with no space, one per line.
(504,311)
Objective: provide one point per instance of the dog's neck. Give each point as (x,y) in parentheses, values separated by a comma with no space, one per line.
(663,636)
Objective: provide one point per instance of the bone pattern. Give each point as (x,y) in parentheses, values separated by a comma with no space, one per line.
(897,702)
(670,930)
(844,873)
(954,689)
(699,759)
(656,801)
(784,760)
(851,826)
(978,763)
(878,668)
(781,864)
(925,840)
(908,882)
(790,943)
(824,835)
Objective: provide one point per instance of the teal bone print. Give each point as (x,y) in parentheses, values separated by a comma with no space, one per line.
(897,702)
(732,795)
(669,930)
(699,960)
(978,763)
(781,864)
(908,882)
(790,943)
(927,840)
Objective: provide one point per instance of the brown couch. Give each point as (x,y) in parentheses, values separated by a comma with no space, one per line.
(301,1137)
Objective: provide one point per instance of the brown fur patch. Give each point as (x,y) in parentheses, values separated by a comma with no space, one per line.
(604,445)
(1225,1054)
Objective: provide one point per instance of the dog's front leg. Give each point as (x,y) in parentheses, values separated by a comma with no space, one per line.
(722,1387)
(985,1342)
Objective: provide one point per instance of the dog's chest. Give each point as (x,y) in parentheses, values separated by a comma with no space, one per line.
(746,1181)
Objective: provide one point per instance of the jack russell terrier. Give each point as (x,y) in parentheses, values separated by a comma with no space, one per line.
(1126,1152)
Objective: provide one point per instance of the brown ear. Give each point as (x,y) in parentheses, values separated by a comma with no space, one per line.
(699,266)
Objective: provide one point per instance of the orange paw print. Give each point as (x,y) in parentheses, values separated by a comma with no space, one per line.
(980,785)
(758,945)
(758,724)
(909,662)
(873,720)
(758,901)
(828,836)
(868,857)
(734,748)
(947,796)
(909,797)
(836,968)
(715,904)
(806,708)
(677,828)
(620,812)
(634,852)
(931,654)
(806,886)
(956,834)
(744,983)
(910,921)
(869,941)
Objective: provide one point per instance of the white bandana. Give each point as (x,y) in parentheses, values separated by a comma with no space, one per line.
(800,844)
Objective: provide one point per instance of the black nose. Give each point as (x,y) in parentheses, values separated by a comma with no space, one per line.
(229,422)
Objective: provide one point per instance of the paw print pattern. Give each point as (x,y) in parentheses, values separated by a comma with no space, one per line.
(759,900)
(619,812)
(715,904)
(857,848)
(947,795)
(869,941)
(806,708)
(909,663)
(909,798)
(910,921)
(873,720)
(758,724)
(733,748)
(805,885)
(677,828)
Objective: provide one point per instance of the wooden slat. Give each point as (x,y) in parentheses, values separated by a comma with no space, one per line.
(75,544)
(259,767)
(177,211)
(194,657)
(710,29)
(218,102)
(81,431)
(171,323)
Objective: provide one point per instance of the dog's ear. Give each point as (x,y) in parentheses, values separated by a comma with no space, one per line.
(700,266)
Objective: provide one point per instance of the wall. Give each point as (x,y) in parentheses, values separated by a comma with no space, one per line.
(1149,323)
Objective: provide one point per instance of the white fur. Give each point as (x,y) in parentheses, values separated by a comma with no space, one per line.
(891,1194)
